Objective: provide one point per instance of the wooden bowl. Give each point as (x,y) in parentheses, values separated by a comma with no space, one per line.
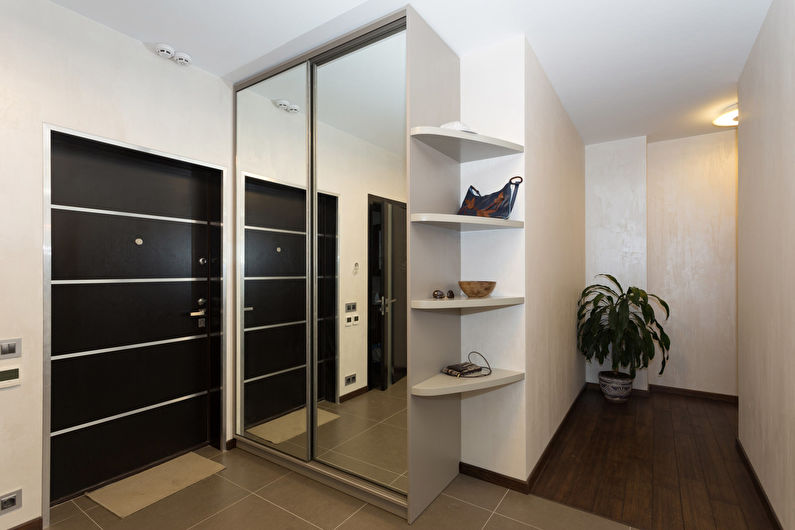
(477,289)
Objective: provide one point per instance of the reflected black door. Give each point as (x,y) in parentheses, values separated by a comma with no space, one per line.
(387,292)
(136,301)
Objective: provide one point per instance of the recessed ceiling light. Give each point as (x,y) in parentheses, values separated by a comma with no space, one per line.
(182,58)
(165,50)
(729,117)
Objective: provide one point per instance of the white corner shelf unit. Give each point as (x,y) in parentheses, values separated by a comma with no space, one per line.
(466,303)
(464,223)
(443,385)
(464,146)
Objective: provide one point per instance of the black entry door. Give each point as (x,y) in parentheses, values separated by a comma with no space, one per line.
(387,292)
(136,307)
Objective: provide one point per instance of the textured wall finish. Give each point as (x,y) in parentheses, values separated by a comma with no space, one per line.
(63,69)
(766,258)
(615,219)
(692,241)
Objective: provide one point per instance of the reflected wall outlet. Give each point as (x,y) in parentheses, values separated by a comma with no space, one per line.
(10,501)
(10,348)
(9,377)
(350,379)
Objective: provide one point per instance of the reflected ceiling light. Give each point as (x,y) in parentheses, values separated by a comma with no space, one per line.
(729,117)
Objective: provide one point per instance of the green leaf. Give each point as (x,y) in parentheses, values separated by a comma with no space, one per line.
(613,279)
(662,303)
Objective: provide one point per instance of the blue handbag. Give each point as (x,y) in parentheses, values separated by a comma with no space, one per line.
(498,204)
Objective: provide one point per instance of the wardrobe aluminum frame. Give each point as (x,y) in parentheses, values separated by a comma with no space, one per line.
(384,27)
(226,234)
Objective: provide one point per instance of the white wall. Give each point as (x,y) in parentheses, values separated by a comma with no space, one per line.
(353,168)
(692,244)
(766,258)
(615,221)
(271,143)
(63,69)
(554,193)
(494,437)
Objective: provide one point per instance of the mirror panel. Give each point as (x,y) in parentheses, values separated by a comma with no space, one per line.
(360,146)
(272,161)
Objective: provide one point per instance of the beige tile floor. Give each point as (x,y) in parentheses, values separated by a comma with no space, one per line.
(370,437)
(252,493)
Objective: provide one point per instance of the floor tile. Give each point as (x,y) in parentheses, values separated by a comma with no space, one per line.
(84,503)
(338,431)
(398,420)
(311,500)
(401,484)
(498,522)
(371,518)
(397,390)
(382,445)
(79,521)
(358,467)
(374,405)
(550,515)
(253,513)
(447,513)
(208,451)
(180,510)
(478,492)
(63,511)
(247,470)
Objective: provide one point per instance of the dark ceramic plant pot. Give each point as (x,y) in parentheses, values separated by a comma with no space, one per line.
(616,386)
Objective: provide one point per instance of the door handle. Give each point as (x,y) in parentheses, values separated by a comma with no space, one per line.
(199,313)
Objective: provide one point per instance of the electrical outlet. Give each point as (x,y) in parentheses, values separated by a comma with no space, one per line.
(350,379)
(10,501)
(348,321)
(9,377)
(350,307)
(356,319)
(10,348)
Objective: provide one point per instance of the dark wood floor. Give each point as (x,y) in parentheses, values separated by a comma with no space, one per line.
(657,462)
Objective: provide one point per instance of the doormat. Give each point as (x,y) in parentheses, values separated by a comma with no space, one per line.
(289,426)
(138,491)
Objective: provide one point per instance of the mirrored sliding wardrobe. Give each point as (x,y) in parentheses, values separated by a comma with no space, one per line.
(347,193)
(321,247)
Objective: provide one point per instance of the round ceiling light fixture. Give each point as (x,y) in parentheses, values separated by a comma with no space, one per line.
(729,117)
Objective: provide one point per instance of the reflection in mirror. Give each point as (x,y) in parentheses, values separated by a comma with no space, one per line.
(272,163)
(360,163)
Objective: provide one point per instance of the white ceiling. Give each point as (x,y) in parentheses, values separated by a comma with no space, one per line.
(661,68)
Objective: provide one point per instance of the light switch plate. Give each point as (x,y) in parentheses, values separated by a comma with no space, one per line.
(10,348)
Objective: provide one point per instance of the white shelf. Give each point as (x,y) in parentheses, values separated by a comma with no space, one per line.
(442,384)
(463,146)
(464,223)
(467,303)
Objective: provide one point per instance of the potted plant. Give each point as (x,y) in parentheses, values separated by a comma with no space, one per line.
(623,326)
